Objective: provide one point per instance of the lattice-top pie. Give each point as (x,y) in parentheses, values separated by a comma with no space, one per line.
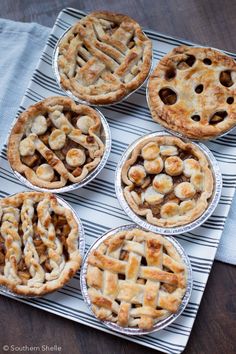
(167,181)
(104,57)
(55,143)
(38,243)
(135,278)
(193,92)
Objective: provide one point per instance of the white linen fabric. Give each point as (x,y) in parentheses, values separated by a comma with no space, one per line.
(21,46)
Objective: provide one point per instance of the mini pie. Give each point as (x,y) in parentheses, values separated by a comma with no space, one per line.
(38,243)
(135,278)
(192,91)
(55,143)
(104,57)
(167,181)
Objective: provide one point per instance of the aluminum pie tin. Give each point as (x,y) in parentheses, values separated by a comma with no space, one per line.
(70,94)
(141,221)
(177,133)
(62,202)
(106,139)
(160,324)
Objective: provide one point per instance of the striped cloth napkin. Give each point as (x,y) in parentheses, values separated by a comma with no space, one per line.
(21,45)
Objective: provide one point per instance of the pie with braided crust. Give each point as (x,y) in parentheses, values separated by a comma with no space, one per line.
(135,279)
(55,143)
(104,57)
(167,181)
(192,91)
(38,243)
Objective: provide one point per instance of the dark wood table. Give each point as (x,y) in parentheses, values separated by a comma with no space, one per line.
(205,22)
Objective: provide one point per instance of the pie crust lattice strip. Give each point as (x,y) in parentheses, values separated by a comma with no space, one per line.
(135,279)
(56,143)
(39,243)
(192,91)
(103,58)
(167,181)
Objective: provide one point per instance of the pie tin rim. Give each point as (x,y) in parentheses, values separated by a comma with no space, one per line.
(141,221)
(81,246)
(178,134)
(161,324)
(77,99)
(107,141)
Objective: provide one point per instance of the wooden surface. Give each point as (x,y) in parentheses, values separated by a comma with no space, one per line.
(211,23)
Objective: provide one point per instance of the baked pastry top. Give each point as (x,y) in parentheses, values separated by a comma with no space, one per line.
(55,143)
(167,181)
(192,91)
(135,278)
(104,57)
(38,243)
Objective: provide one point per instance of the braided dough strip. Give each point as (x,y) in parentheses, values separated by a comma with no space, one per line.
(47,233)
(9,231)
(31,256)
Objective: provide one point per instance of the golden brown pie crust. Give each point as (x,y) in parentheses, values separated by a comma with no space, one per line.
(170,209)
(192,91)
(38,244)
(88,144)
(135,278)
(104,57)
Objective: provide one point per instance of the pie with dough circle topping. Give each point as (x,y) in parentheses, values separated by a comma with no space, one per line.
(56,143)
(167,181)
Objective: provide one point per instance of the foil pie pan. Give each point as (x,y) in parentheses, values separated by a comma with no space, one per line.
(69,93)
(106,139)
(62,202)
(141,221)
(179,134)
(162,323)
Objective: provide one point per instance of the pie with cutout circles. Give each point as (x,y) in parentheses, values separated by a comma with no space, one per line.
(192,91)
